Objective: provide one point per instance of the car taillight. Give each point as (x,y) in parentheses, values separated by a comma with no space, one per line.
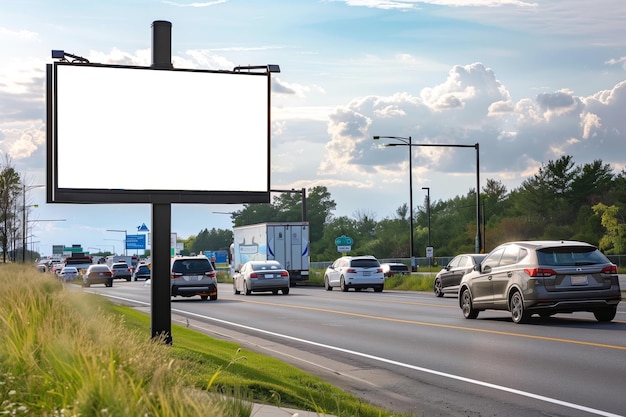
(612,269)
(175,275)
(211,274)
(351,271)
(284,274)
(379,270)
(254,275)
(539,272)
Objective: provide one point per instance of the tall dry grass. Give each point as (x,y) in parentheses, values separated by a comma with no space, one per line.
(61,355)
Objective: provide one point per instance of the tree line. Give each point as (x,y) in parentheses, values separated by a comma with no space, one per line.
(562,201)
(12,212)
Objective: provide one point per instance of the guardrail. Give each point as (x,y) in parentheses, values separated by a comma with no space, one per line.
(441,261)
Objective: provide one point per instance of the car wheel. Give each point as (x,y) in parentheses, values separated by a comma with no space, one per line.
(128,279)
(518,312)
(274,292)
(379,288)
(247,290)
(204,297)
(235,290)
(213,297)
(327,284)
(342,285)
(437,288)
(285,291)
(466,305)
(606,314)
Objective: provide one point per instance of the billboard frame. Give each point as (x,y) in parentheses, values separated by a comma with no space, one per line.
(59,194)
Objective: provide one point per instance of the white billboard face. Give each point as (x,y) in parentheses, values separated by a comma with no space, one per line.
(128,132)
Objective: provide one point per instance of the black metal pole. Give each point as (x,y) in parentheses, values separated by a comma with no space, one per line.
(24,225)
(411,251)
(479,246)
(161,304)
(428,216)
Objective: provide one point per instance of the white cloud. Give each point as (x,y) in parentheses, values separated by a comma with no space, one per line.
(414,4)
(195,4)
(514,143)
(11,35)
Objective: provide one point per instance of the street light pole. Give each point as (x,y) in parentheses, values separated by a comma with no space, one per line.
(479,246)
(428,215)
(125,236)
(24,243)
(406,142)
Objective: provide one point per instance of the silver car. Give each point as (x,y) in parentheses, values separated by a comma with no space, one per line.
(542,277)
(356,272)
(256,276)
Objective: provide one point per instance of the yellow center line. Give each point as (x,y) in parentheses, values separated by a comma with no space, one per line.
(444,326)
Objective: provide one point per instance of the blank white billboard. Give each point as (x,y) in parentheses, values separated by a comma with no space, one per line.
(136,130)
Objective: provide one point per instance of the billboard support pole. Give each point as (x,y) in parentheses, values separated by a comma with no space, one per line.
(161,313)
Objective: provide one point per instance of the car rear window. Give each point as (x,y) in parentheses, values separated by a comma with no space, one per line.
(571,256)
(365,263)
(265,267)
(192,266)
(399,268)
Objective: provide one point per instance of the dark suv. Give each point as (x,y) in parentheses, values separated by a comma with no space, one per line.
(542,277)
(193,275)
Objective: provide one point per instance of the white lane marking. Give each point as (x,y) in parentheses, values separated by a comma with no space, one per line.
(396,363)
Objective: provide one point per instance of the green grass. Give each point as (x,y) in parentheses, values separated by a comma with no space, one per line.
(68,353)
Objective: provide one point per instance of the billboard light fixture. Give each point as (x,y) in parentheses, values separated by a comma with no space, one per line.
(268,68)
(62,56)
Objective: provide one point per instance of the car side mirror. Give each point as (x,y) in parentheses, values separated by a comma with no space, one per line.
(477,267)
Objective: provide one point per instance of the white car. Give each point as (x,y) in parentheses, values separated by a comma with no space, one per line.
(68,273)
(356,272)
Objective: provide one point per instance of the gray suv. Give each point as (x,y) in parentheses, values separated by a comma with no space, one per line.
(193,275)
(542,277)
(121,270)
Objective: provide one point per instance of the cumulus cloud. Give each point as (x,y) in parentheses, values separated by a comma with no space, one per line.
(471,106)
(413,4)
(195,4)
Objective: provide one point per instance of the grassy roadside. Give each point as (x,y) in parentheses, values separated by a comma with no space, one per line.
(68,353)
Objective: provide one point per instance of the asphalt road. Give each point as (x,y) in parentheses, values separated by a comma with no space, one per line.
(414,353)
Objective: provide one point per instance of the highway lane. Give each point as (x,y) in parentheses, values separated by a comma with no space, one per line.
(414,352)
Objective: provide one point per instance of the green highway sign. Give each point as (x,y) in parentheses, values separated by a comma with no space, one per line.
(344,240)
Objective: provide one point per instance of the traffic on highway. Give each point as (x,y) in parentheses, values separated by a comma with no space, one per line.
(414,352)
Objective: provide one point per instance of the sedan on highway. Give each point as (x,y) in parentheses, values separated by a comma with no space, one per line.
(448,279)
(98,274)
(68,273)
(257,276)
(542,277)
(356,272)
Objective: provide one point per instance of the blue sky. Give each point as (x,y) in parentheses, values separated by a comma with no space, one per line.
(528,80)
